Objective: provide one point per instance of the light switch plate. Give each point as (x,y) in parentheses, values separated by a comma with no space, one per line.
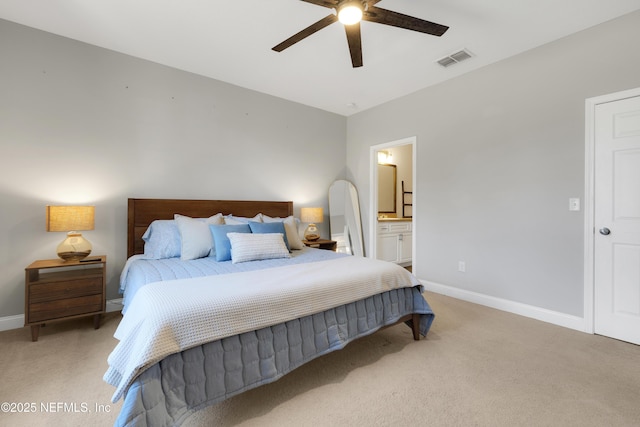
(574,204)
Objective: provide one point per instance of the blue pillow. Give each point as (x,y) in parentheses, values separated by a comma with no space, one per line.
(162,240)
(222,244)
(270,227)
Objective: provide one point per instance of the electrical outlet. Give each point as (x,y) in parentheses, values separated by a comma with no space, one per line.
(462,266)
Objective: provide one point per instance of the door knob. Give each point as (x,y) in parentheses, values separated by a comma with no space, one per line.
(605,231)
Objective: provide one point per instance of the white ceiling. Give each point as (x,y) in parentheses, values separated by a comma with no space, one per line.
(231,41)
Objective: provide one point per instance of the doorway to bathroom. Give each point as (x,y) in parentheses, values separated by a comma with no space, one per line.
(393,196)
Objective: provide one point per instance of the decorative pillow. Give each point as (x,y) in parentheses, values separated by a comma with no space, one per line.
(252,247)
(235,220)
(291,227)
(271,227)
(162,240)
(221,241)
(195,236)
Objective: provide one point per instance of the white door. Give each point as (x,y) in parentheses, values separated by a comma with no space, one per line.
(617,220)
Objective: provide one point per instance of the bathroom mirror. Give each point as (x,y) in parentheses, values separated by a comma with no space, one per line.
(387,188)
(344,216)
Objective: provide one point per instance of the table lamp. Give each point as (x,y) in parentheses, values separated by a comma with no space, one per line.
(311,216)
(71,219)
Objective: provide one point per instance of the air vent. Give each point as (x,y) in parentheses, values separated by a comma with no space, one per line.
(454,58)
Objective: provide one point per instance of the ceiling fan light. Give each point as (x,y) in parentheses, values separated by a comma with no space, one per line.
(350,14)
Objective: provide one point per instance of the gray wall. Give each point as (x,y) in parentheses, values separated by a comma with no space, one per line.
(81,124)
(499,153)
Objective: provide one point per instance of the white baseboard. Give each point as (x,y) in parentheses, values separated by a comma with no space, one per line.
(549,316)
(11,322)
(17,321)
(114,305)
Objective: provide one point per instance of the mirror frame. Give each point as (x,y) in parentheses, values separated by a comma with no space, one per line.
(344,196)
(387,181)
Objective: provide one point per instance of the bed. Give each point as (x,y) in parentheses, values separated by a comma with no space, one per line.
(197,331)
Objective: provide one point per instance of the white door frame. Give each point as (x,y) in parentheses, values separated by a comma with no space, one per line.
(589,205)
(373,194)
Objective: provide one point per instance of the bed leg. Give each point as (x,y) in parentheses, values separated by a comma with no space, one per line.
(415,326)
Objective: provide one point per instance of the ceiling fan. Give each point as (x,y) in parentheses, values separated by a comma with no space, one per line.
(350,13)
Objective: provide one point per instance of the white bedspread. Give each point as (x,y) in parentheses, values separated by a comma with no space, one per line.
(172,316)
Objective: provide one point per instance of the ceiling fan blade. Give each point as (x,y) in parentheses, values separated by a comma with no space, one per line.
(324,3)
(355,44)
(328,20)
(395,19)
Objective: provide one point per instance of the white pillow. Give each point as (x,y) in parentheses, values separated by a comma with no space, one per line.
(195,236)
(252,247)
(290,227)
(237,220)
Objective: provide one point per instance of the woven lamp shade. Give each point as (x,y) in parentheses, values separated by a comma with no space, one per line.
(70,218)
(312,215)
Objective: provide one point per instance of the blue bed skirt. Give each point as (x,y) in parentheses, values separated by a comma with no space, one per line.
(171,390)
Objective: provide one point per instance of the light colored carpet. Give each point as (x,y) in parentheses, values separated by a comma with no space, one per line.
(477,367)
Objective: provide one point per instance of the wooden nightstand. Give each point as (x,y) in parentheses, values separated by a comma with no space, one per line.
(330,245)
(68,290)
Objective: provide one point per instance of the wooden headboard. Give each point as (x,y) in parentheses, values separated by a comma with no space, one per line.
(141,212)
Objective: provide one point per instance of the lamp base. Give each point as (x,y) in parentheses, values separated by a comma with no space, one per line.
(74,247)
(311,233)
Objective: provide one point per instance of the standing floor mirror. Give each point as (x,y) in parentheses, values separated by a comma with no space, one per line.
(344,216)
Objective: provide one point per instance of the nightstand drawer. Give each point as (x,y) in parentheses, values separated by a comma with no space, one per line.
(50,310)
(64,290)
